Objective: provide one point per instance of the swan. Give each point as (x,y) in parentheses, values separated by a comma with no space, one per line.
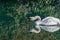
(50,24)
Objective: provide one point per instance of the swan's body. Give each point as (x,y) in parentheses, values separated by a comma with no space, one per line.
(50,24)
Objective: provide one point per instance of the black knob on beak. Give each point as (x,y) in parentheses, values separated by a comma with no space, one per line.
(27,19)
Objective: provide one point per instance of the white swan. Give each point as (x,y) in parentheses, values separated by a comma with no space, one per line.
(50,24)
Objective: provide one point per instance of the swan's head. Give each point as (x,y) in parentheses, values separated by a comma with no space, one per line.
(35,18)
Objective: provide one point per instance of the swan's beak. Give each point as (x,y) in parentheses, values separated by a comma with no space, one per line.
(31,18)
(27,18)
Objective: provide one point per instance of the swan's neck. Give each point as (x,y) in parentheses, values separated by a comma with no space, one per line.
(39,18)
(38,21)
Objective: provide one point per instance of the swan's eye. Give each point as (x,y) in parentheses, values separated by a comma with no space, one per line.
(29,18)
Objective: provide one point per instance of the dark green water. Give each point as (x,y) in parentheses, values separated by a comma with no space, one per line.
(13,23)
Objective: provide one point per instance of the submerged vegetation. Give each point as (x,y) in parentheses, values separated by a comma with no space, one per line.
(15,26)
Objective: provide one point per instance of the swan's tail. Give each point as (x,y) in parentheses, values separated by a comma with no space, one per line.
(59,24)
